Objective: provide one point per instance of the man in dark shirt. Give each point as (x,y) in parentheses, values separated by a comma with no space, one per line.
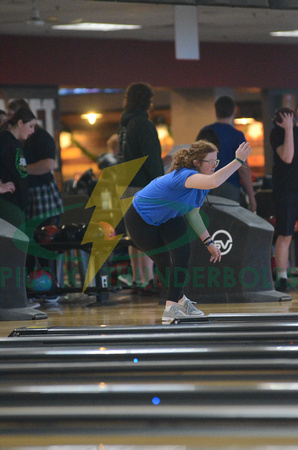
(229,139)
(284,141)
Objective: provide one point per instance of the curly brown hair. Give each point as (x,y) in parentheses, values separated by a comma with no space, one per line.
(184,158)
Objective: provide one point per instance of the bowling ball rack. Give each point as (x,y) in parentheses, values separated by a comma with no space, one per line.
(100,290)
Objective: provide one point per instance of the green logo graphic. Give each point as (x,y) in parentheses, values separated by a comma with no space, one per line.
(21,164)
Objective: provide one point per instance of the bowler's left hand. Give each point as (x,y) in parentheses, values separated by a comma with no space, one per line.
(215,253)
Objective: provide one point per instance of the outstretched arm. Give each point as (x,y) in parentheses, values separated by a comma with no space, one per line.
(200,181)
(286,150)
(41,167)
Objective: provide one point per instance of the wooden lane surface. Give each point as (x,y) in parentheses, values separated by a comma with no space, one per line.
(135,310)
(77,310)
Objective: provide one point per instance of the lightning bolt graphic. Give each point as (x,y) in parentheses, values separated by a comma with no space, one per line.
(115,180)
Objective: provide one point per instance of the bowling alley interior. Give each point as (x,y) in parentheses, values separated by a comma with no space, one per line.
(86,361)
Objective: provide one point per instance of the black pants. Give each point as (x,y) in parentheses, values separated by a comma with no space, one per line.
(159,243)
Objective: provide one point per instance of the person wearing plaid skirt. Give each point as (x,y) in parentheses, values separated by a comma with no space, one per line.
(44,199)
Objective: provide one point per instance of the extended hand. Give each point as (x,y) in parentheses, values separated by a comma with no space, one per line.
(253,204)
(287,121)
(215,253)
(243,151)
(7,187)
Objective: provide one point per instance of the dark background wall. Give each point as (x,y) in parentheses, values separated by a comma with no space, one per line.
(113,63)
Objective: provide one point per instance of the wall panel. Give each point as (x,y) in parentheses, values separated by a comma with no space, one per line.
(113,63)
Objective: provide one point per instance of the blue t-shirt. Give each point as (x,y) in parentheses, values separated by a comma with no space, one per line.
(167,197)
(230,138)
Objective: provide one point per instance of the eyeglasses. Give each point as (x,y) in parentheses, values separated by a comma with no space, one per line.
(212,162)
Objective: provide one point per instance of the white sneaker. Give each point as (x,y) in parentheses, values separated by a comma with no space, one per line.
(187,306)
(181,310)
(125,279)
(172,312)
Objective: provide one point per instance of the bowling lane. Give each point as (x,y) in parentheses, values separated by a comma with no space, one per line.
(164,411)
(282,335)
(208,372)
(218,394)
(188,352)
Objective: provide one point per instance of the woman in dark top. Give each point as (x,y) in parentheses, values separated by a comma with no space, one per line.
(137,138)
(13,167)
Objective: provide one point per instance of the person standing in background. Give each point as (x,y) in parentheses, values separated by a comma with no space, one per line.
(137,138)
(284,141)
(14,105)
(6,187)
(13,166)
(44,198)
(230,139)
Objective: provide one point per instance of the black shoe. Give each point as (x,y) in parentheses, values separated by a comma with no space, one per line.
(282,285)
(135,289)
(150,289)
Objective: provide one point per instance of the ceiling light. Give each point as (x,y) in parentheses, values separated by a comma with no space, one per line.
(244,120)
(91,117)
(88,26)
(84,91)
(292,33)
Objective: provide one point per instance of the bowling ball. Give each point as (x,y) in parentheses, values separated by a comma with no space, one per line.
(277,117)
(40,280)
(109,231)
(272,221)
(82,227)
(94,231)
(67,233)
(46,234)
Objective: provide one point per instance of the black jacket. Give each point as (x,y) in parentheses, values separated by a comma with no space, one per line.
(138,137)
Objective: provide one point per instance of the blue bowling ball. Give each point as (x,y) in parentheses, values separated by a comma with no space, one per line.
(40,281)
